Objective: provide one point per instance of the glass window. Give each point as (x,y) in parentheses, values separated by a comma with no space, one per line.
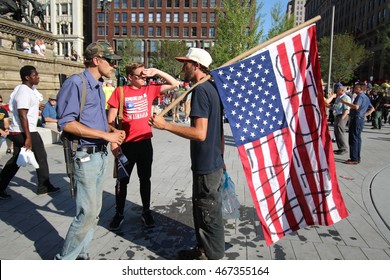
(176,31)
(117,5)
(204,17)
(204,31)
(151,17)
(158,31)
(194,3)
(124,30)
(169,4)
(177,3)
(141,31)
(141,17)
(124,4)
(64,9)
(187,3)
(159,3)
(133,17)
(133,3)
(168,31)
(100,30)
(151,3)
(150,31)
(158,17)
(133,31)
(168,17)
(100,17)
(186,17)
(124,17)
(154,46)
(186,31)
(116,17)
(212,31)
(204,3)
(142,3)
(212,17)
(194,17)
(213,3)
(116,30)
(194,31)
(175,17)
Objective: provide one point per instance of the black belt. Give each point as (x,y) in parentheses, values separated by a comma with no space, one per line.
(93,149)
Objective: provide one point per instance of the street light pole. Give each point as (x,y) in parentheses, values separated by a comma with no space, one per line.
(105,4)
(331,47)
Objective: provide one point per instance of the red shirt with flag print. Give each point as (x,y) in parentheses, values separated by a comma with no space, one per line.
(137,106)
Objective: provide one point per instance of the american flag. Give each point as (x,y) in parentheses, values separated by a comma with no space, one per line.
(136,104)
(275,107)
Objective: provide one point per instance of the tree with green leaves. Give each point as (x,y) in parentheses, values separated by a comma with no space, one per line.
(280,22)
(130,52)
(347,57)
(237,30)
(164,57)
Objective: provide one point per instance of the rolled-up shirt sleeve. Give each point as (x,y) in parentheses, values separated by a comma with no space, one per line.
(68,101)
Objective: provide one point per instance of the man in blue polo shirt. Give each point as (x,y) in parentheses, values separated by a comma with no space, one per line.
(92,134)
(360,109)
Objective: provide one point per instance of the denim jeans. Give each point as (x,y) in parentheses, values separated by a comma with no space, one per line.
(356,125)
(207,213)
(89,177)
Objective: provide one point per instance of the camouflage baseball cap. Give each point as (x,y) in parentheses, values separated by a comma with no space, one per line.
(100,49)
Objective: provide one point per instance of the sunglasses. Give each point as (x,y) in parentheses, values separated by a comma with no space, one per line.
(109,61)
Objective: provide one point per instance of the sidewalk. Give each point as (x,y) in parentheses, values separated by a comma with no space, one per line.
(33,227)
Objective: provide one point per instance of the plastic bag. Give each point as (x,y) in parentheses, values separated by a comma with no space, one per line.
(230,202)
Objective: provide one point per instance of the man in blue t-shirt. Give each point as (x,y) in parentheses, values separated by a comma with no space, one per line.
(360,108)
(206,135)
(49,114)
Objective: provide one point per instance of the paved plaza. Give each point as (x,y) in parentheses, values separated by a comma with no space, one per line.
(33,227)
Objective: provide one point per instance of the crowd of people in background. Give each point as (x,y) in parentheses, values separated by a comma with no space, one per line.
(38,47)
(350,108)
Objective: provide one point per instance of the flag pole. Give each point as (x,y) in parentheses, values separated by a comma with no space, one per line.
(242,56)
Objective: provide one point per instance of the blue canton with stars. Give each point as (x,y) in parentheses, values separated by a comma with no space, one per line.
(251,98)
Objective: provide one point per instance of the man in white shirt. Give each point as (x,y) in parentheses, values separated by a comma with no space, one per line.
(25,102)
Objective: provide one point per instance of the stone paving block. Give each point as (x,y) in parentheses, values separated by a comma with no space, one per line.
(328,251)
(352,253)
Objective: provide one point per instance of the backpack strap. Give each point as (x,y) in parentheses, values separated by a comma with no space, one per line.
(83,93)
(82,103)
(121,100)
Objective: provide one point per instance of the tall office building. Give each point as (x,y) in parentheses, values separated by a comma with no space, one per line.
(296,8)
(366,20)
(150,21)
(64,19)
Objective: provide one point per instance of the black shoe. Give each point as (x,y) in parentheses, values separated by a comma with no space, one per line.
(84,257)
(4,195)
(48,190)
(147,218)
(116,222)
(340,152)
(192,254)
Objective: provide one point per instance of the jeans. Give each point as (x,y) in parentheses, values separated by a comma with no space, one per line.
(377,119)
(356,125)
(340,126)
(89,177)
(207,213)
(11,168)
(140,153)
